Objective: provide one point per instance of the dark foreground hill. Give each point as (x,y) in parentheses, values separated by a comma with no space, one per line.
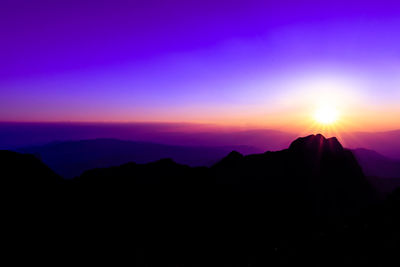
(25,170)
(309,204)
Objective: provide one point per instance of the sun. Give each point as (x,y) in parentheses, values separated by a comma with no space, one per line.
(326,115)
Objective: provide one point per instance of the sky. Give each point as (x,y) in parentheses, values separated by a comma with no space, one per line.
(265,64)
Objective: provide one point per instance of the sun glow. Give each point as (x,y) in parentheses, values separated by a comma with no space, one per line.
(326,115)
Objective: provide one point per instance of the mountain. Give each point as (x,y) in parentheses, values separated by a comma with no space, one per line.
(290,206)
(71,158)
(314,170)
(307,204)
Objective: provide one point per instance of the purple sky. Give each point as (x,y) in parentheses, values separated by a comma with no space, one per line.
(239,62)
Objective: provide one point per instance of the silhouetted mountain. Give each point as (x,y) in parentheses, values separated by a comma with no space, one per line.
(308,204)
(315,175)
(72,158)
(25,170)
(318,170)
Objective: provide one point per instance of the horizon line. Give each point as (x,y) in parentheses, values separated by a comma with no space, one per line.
(182,123)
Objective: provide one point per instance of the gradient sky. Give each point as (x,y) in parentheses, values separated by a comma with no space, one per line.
(256,63)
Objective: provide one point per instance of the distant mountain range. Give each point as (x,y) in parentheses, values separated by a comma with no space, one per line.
(383,173)
(72,158)
(17,135)
(385,143)
(374,164)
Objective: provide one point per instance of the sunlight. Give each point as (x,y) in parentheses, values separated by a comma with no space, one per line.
(326,115)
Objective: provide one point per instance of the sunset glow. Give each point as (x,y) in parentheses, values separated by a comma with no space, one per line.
(326,115)
(276,65)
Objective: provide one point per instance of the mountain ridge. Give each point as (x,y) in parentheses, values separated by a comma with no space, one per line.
(309,203)
(72,158)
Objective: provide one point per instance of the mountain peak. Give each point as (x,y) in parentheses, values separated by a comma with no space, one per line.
(234,155)
(231,159)
(316,142)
